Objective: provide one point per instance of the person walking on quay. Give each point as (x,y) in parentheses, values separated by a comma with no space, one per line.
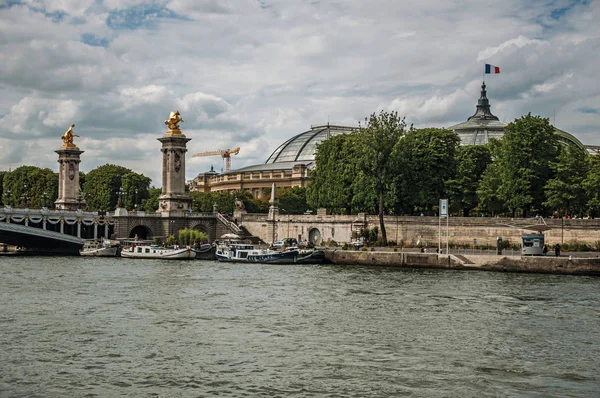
(545,250)
(557,250)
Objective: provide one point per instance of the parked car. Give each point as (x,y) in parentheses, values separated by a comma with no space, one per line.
(357,244)
(278,245)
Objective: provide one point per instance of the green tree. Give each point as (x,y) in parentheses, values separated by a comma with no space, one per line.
(565,192)
(293,200)
(487,190)
(331,182)
(375,143)
(472,161)
(591,185)
(528,147)
(427,162)
(103,183)
(150,204)
(31,184)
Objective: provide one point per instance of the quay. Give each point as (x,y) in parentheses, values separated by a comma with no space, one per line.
(565,265)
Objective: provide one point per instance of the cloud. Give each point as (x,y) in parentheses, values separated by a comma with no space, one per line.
(253,74)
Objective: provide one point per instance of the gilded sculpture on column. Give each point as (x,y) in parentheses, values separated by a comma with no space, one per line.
(67,138)
(173,122)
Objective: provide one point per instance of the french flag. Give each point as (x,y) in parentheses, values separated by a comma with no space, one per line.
(491,69)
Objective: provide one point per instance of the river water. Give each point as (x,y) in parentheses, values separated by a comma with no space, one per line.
(87,327)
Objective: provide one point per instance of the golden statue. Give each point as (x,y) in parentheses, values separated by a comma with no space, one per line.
(67,138)
(173,121)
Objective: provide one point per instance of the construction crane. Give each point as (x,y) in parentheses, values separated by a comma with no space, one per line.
(224,153)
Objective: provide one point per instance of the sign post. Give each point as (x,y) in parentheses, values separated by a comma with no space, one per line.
(443,213)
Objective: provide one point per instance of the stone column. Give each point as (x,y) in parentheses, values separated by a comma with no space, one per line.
(174,198)
(68,178)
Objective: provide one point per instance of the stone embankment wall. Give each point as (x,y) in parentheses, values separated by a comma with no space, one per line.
(548,265)
(410,230)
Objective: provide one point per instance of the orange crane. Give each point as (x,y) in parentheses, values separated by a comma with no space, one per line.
(224,153)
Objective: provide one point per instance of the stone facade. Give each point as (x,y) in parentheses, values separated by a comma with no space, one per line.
(174,197)
(69,195)
(464,231)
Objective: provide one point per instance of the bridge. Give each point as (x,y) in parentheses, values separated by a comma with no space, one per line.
(39,239)
(65,231)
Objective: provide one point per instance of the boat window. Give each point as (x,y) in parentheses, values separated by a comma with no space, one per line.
(139,249)
(147,250)
(243,254)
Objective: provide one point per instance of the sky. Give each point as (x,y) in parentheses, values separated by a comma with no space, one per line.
(253,73)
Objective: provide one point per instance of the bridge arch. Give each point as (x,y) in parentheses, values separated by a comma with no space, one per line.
(141,232)
(202,226)
(314,236)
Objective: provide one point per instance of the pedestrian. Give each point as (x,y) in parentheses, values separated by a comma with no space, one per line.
(545,250)
(557,250)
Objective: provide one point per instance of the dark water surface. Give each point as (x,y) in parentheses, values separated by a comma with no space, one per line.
(120,327)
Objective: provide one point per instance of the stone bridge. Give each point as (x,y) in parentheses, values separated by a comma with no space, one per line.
(144,225)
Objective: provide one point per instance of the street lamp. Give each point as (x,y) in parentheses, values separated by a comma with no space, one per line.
(8,197)
(120,194)
(25,197)
(136,199)
(44,199)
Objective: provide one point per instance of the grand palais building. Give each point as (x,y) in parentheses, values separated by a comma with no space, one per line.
(289,164)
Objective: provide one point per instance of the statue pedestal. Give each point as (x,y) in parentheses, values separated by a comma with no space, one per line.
(69,197)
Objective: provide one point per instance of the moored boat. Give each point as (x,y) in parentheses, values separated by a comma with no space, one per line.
(100,248)
(157,252)
(247,253)
(204,252)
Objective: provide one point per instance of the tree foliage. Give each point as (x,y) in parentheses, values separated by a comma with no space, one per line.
(36,186)
(376,143)
(427,162)
(565,190)
(528,147)
(472,161)
(332,181)
(103,185)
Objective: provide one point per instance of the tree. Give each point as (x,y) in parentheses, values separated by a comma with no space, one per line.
(427,162)
(528,147)
(36,186)
(103,183)
(565,191)
(293,200)
(331,182)
(487,190)
(150,204)
(591,185)
(375,143)
(472,161)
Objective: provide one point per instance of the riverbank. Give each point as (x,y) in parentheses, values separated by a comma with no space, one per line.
(499,263)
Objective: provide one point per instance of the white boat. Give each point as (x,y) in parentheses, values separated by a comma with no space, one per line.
(247,253)
(100,248)
(157,252)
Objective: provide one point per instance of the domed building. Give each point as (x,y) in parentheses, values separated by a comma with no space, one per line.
(479,128)
(483,125)
(287,166)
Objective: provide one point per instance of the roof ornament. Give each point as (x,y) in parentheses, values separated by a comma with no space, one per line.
(483,111)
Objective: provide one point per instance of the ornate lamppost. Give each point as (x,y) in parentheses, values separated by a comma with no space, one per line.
(8,197)
(120,194)
(136,199)
(44,199)
(25,197)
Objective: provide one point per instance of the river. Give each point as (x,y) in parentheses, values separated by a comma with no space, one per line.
(121,327)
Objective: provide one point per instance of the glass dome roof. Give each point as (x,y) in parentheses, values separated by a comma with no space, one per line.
(302,147)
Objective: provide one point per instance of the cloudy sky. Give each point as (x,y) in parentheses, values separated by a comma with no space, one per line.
(253,73)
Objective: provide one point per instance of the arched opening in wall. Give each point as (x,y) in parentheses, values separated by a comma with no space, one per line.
(314,236)
(140,232)
(201,228)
